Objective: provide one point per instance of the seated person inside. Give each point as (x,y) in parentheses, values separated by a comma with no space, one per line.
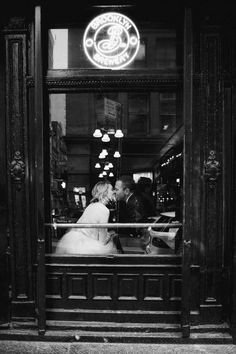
(92,241)
(131,208)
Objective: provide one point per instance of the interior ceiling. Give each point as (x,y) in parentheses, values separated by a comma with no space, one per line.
(139,154)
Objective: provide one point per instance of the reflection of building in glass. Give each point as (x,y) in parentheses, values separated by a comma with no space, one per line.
(169,182)
(146,118)
(58,48)
(58,168)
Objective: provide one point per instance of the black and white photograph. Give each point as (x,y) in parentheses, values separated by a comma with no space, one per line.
(117,177)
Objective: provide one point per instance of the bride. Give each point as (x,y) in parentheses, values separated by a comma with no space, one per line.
(91,240)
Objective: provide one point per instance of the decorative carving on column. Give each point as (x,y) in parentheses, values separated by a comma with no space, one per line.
(211,170)
(17,170)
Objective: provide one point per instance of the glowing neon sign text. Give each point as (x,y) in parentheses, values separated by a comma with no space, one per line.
(111,41)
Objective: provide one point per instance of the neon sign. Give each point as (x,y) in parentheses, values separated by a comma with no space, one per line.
(111,41)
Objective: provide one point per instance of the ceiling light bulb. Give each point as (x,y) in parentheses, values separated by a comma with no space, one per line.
(110,165)
(106,168)
(105,138)
(97,165)
(116,154)
(111,174)
(104,152)
(104,173)
(100,175)
(119,134)
(101,156)
(63,184)
(97,133)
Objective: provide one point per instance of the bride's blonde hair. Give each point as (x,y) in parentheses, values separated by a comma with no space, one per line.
(100,192)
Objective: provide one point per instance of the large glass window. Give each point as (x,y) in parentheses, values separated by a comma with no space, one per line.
(102,131)
(79,158)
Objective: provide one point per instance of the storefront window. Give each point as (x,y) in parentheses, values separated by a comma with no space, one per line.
(81,156)
(117,125)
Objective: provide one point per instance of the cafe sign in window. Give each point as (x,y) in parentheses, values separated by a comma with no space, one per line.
(111,41)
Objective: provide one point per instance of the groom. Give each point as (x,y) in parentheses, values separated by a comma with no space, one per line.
(131,205)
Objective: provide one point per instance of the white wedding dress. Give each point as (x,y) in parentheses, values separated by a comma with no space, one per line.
(88,240)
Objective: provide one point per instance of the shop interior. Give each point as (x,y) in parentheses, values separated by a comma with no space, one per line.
(108,133)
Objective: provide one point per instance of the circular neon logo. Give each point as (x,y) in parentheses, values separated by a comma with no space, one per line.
(111,41)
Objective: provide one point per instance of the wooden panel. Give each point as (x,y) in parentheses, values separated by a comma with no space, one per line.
(54,284)
(128,286)
(132,283)
(77,286)
(102,286)
(18,164)
(4,268)
(153,288)
(212,198)
(175,283)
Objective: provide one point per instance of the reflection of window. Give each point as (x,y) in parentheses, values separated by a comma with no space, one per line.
(58,48)
(137,175)
(140,59)
(167,112)
(101,120)
(166,53)
(138,105)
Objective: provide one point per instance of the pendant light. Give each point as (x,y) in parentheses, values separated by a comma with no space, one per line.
(106,138)
(97,133)
(116,154)
(119,133)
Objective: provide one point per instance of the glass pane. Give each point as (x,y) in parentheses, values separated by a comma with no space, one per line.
(58,48)
(168,112)
(166,53)
(157,50)
(138,114)
(103,121)
(66,50)
(80,157)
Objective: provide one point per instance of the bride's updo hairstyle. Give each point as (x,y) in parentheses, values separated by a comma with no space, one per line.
(100,192)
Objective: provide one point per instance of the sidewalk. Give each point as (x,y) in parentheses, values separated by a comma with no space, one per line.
(24,347)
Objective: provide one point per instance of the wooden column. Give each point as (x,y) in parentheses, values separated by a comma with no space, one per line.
(18,169)
(211,207)
(39,169)
(187,187)
(4,269)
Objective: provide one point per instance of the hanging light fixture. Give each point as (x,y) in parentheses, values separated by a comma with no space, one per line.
(110,165)
(100,175)
(97,133)
(116,154)
(106,138)
(101,156)
(111,174)
(104,152)
(63,184)
(119,133)
(97,165)
(106,167)
(104,173)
